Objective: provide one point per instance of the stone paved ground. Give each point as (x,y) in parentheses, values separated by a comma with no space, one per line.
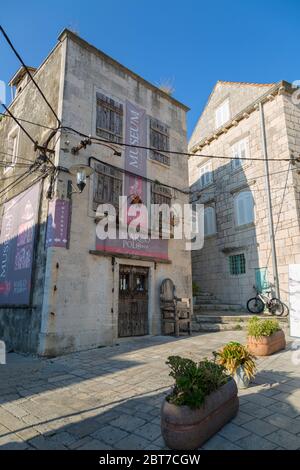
(109,398)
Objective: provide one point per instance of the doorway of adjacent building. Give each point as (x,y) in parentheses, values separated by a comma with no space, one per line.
(133,301)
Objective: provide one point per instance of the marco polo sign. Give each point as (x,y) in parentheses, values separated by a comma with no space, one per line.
(18,231)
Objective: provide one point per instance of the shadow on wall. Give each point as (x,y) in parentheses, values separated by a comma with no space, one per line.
(22,261)
(228,265)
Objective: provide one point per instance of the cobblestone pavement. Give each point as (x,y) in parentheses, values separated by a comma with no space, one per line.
(110,398)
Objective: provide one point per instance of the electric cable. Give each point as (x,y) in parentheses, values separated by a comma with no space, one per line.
(28,71)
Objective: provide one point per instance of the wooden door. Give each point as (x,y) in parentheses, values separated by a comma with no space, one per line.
(133,301)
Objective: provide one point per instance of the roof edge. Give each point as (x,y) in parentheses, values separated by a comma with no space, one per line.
(277,88)
(67,33)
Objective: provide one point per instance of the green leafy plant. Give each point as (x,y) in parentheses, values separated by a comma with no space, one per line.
(259,327)
(194,381)
(196,289)
(234,355)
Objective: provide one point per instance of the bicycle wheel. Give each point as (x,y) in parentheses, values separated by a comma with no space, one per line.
(255,305)
(276,307)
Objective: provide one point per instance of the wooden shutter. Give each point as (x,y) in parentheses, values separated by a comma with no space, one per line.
(159,139)
(109,119)
(107,185)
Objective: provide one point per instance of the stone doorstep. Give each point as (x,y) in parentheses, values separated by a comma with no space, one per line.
(212,317)
(219,306)
(221,321)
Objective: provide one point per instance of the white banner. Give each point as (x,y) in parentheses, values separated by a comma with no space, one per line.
(294,291)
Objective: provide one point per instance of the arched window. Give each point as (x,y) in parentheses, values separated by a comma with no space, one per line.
(244,208)
(209,221)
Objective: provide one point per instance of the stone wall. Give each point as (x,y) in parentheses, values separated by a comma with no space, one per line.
(20,327)
(211,264)
(85,305)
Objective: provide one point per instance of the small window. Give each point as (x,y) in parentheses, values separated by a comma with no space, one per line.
(239,152)
(107,185)
(205,175)
(161,195)
(244,208)
(11,158)
(209,221)
(237,264)
(159,139)
(222,114)
(109,120)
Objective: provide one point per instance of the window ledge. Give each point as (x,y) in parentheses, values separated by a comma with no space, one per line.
(210,236)
(167,167)
(203,188)
(240,228)
(244,166)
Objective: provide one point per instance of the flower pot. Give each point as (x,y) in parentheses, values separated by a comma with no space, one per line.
(184,428)
(241,379)
(266,345)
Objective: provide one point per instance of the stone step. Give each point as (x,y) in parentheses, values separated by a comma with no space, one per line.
(199,327)
(206,300)
(218,306)
(234,322)
(221,318)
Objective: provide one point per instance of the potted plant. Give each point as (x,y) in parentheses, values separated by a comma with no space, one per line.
(238,361)
(203,399)
(265,336)
(196,290)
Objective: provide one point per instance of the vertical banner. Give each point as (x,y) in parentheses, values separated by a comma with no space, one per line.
(58,223)
(135,185)
(18,230)
(294,292)
(135,158)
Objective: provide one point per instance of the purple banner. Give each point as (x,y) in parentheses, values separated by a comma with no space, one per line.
(135,162)
(17,238)
(58,223)
(135,158)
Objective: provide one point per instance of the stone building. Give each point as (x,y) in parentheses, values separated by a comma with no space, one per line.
(61,289)
(237,250)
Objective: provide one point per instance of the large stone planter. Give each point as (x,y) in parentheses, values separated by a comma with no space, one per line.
(266,345)
(185,429)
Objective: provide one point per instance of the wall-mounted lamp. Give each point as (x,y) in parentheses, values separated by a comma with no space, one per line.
(82,172)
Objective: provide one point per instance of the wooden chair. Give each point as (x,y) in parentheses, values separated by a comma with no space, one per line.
(174,310)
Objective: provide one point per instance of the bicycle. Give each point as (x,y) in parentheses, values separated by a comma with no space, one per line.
(258,303)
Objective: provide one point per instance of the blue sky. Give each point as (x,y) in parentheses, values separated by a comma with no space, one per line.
(192,43)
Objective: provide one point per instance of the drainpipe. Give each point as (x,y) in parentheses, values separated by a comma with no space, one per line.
(269,199)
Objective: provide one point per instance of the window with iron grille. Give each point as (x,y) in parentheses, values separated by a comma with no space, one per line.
(159,139)
(107,185)
(237,264)
(109,120)
(161,195)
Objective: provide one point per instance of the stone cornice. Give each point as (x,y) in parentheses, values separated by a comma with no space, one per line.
(278,89)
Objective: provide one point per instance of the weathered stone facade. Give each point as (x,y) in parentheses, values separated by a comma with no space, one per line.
(78,292)
(211,265)
(20,327)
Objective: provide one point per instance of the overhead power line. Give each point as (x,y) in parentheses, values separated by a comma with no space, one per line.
(20,125)
(29,73)
(175,152)
(17,157)
(29,122)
